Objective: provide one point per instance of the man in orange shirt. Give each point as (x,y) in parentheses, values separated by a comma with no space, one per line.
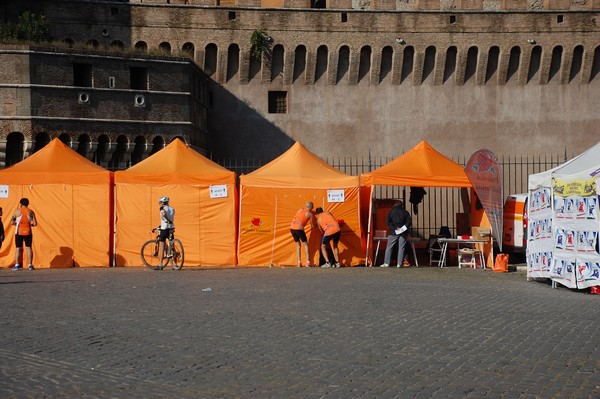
(302,217)
(24,218)
(331,233)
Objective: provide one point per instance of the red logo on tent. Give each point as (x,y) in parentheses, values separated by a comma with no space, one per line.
(484,163)
(256,222)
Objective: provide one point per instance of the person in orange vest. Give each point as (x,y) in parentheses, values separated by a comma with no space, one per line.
(302,217)
(24,218)
(331,233)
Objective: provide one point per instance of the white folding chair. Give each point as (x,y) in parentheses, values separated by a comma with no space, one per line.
(435,251)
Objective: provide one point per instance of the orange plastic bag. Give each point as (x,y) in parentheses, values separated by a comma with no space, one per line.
(501,264)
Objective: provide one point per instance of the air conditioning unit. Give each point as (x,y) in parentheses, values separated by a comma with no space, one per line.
(139,100)
(83,98)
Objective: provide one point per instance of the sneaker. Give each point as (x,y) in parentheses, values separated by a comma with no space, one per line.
(326,265)
(299,264)
(16,267)
(308,264)
(384,265)
(337,264)
(31,267)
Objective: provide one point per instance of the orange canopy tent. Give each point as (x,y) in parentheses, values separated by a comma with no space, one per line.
(205,222)
(421,166)
(271,196)
(71,198)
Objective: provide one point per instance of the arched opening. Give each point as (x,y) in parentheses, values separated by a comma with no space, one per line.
(157,144)
(299,62)
(450,64)
(595,64)
(233,61)
(66,139)
(142,47)
(117,44)
(364,65)
(92,43)
(428,63)
(343,63)
(165,47)
(535,62)
(576,63)
(408,60)
(69,42)
(138,150)
(471,67)
(41,139)
(492,64)
(387,57)
(14,148)
(102,149)
(321,64)
(84,145)
(557,53)
(514,61)
(188,50)
(118,157)
(277,63)
(210,59)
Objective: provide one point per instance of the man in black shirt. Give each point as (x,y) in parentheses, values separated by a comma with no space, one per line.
(399,222)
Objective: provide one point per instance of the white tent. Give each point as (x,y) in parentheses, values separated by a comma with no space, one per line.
(563,223)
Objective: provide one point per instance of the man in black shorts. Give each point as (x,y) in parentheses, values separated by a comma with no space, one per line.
(302,217)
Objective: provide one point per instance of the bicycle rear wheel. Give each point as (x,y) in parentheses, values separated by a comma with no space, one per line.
(178,254)
(149,255)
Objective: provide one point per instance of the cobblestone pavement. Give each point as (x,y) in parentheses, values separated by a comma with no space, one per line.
(294,333)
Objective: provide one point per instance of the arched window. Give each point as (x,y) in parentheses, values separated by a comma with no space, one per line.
(102,149)
(321,64)
(364,66)
(210,59)
(14,148)
(92,43)
(84,145)
(233,61)
(188,49)
(138,151)
(429,62)
(471,67)
(142,47)
(277,62)
(299,62)
(343,63)
(535,62)
(555,63)
(157,144)
(117,44)
(66,139)
(69,42)
(408,60)
(576,63)
(165,47)
(595,64)
(450,64)
(492,65)
(387,58)
(118,157)
(41,139)
(514,61)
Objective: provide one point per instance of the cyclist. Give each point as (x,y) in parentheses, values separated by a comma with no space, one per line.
(167,226)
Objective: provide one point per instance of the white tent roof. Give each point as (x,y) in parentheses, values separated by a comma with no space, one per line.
(588,160)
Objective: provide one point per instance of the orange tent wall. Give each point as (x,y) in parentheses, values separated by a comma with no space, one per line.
(271,196)
(266,215)
(206,226)
(71,198)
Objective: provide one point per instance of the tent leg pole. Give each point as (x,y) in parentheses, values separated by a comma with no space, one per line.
(370,216)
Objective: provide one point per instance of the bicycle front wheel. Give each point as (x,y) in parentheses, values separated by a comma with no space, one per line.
(149,255)
(177,254)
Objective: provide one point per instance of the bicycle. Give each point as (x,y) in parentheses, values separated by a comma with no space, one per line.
(173,252)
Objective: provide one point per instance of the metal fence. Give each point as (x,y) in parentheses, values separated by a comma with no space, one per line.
(440,205)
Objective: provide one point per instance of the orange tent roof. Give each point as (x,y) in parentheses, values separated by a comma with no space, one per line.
(55,164)
(422,166)
(298,168)
(176,164)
